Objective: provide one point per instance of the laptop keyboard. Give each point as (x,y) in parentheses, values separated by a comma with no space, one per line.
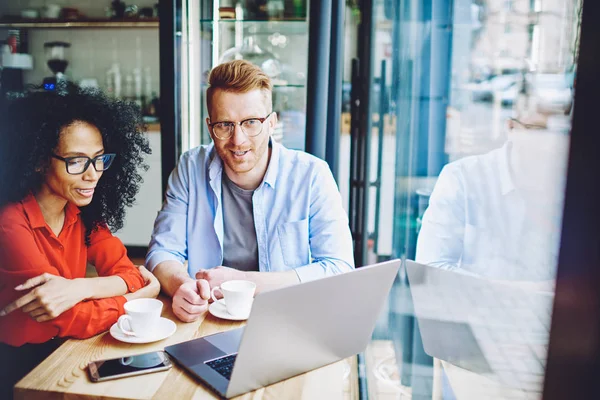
(223,365)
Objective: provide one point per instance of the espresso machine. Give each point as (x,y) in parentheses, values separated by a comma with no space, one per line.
(56,59)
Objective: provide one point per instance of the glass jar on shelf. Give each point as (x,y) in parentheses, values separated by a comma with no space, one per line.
(252,52)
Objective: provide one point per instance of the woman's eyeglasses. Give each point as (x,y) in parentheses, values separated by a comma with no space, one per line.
(79,164)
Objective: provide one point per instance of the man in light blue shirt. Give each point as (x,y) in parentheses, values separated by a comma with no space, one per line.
(498,215)
(247,202)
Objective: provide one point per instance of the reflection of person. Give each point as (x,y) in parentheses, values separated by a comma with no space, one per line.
(58,195)
(497,215)
(246,207)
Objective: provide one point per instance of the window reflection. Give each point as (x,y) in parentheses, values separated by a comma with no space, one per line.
(498,215)
(480,105)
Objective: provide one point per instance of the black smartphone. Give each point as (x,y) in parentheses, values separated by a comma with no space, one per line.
(115,368)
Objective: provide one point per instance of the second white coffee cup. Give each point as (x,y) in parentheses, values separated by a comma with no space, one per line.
(237,295)
(141,318)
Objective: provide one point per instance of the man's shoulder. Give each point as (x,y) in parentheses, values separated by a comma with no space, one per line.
(199,153)
(196,159)
(475,162)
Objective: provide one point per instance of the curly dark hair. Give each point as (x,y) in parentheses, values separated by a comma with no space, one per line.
(30,126)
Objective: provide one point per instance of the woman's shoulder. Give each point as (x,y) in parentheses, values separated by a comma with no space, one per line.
(24,212)
(12,213)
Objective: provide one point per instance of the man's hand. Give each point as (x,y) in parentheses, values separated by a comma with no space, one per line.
(151,287)
(190,301)
(264,280)
(50,296)
(216,276)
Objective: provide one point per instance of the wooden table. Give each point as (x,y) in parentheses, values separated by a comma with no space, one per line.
(64,373)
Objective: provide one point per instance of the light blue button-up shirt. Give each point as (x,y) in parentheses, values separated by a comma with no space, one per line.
(298,215)
(478,221)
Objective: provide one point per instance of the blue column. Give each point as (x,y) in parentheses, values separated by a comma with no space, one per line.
(439,93)
(334,107)
(434,69)
(319,35)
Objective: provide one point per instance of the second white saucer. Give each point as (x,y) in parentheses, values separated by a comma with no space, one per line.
(219,310)
(164,329)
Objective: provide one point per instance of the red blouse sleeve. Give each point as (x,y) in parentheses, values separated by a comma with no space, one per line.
(22,259)
(108,254)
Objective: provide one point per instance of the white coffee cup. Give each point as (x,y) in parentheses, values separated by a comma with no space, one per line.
(237,295)
(141,318)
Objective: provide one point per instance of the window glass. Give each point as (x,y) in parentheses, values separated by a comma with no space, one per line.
(476,97)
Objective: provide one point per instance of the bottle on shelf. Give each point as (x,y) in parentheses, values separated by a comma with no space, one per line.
(110,83)
(137,87)
(128,92)
(275,9)
(239,11)
(147,95)
(116,73)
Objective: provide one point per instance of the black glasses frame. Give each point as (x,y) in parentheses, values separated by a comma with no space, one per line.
(233,124)
(92,161)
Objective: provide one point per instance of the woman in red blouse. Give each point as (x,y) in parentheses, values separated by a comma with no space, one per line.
(69,165)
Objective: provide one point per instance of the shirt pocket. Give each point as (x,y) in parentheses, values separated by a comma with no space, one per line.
(293,238)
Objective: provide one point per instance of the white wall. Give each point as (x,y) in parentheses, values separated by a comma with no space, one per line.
(140,218)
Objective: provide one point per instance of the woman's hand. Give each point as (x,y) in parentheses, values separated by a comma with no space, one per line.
(51,295)
(151,287)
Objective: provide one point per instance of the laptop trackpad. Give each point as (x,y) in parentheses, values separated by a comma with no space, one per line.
(228,342)
(206,348)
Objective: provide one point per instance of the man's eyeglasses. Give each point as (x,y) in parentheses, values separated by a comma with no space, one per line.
(80,164)
(534,127)
(251,127)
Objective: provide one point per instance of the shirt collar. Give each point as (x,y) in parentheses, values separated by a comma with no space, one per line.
(71,213)
(507,184)
(36,218)
(273,167)
(215,165)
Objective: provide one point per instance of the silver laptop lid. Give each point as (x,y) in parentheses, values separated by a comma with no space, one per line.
(302,327)
(480,324)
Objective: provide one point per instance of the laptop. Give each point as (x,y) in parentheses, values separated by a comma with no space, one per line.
(492,328)
(291,330)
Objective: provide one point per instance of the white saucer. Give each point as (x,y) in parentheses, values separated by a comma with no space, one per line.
(219,310)
(164,329)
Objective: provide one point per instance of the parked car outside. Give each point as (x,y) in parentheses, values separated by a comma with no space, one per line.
(485,91)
